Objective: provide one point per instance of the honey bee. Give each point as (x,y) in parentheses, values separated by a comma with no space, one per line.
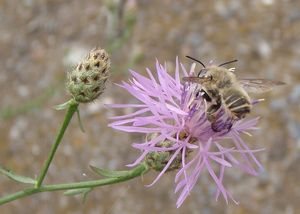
(219,87)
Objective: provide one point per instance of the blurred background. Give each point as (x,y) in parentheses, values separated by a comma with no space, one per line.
(40,40)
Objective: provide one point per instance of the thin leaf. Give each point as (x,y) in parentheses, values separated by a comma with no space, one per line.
(72,192)
(17,178)
(83,191)
(85,194)
(109,173)
(79,121)
(64,105)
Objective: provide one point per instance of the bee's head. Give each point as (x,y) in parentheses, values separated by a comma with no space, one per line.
(205,73)
(212,72)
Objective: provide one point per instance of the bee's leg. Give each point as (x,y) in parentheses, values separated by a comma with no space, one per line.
(228,124)
(211,114)
(218,126)
(212,110)
(205,96)
(211,117)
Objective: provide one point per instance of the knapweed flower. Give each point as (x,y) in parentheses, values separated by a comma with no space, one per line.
(178,135)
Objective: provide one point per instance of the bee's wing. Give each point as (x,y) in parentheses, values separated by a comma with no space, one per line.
(259,85)
(198,80)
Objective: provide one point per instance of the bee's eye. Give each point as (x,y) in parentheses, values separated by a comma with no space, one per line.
(208,77)
(205,74)
(202,73)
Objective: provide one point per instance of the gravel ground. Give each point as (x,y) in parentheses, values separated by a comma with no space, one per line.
(40,40)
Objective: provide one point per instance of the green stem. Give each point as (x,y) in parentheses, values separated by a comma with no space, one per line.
(71,110)
(136,172)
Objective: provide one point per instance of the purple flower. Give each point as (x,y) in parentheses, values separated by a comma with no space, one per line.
(171,111)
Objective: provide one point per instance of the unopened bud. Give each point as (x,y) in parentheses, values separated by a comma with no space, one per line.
(158,160)
(87,81)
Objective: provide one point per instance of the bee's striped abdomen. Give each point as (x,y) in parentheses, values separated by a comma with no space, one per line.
(237,103)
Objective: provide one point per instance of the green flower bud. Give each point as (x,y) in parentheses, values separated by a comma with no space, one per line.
(87,81)
(158,160)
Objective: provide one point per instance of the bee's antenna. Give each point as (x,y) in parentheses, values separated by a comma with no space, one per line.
(225,63)
(195,60)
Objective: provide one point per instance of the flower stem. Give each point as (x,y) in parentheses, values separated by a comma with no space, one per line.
(71,110)
(136,172)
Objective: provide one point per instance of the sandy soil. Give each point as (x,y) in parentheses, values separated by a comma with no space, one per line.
(41,40)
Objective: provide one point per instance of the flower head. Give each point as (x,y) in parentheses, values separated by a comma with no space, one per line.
(87,81)
(181,136)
